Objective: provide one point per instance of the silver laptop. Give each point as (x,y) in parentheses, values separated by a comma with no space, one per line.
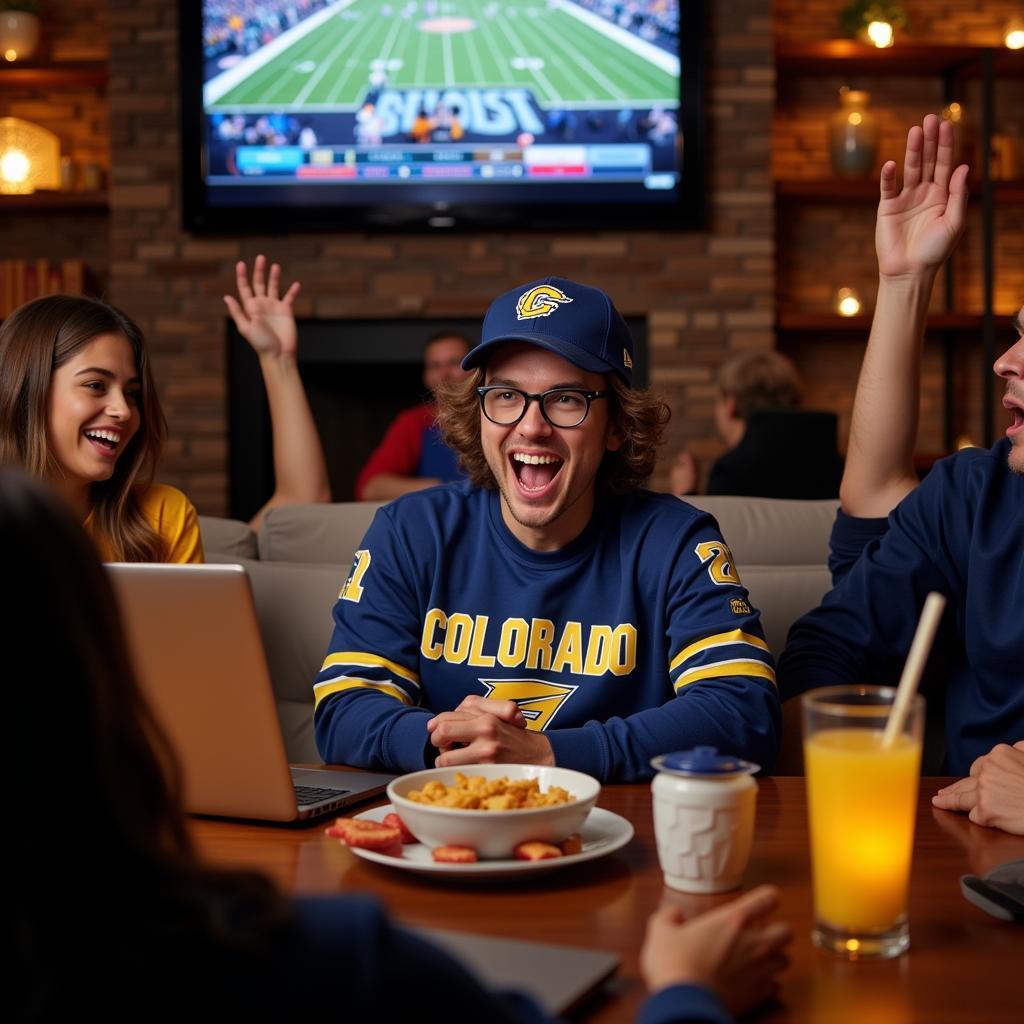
(198,654)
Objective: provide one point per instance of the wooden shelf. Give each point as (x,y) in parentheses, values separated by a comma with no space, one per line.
(44,202)
(827,189)
(847,56)
(832,190)
(53,76)
(794,322)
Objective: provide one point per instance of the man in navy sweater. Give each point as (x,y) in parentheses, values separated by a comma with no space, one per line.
(548,610)
(960,533)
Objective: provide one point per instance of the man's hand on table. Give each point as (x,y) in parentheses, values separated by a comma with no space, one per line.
(483,731)
(732,949)
(993,793)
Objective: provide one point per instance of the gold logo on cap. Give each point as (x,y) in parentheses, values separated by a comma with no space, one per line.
(540,301)
(626,361)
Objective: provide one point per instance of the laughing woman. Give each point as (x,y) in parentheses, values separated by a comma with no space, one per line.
(78,408)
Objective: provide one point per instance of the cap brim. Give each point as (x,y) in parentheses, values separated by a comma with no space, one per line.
(570,353)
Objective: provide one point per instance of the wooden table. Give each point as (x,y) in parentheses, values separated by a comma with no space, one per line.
(963,967)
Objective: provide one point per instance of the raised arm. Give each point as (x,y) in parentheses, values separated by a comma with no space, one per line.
(266,321)
(917,228)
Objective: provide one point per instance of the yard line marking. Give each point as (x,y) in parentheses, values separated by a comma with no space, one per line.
(500,62)
(552,93)
(474,57)
(317,76)
(449,63)
(361,58)
(582,62)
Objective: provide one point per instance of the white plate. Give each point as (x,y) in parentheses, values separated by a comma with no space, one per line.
(603,832)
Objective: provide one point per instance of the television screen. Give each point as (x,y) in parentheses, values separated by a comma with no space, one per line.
(440,113)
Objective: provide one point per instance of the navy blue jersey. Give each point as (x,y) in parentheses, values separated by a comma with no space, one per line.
(960,533)
(635,639)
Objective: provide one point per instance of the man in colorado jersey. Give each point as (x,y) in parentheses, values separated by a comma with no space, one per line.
(547,611)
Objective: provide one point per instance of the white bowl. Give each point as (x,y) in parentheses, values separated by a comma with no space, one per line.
(494,834)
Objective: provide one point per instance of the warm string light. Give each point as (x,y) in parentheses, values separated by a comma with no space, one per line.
(847,302)
(1014,36)
(881,33)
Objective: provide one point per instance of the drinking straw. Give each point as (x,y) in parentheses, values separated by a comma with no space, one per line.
(934,605)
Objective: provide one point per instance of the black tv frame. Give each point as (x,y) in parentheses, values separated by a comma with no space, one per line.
(200,217)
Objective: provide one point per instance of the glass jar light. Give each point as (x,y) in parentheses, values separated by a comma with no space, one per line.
(853,134)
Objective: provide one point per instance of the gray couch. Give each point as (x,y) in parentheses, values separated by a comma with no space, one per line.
(302,555)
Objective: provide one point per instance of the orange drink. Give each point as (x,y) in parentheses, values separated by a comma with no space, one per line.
(861,802)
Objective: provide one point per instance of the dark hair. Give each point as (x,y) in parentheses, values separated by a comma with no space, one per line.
(639,415)
(36,339)
(760,380)
(441,334)
(107,884)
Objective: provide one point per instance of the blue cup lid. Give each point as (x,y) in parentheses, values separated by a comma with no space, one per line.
(703,761)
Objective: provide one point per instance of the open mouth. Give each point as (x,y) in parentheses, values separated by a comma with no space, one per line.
(106,440)
(535,473)
(1018,419)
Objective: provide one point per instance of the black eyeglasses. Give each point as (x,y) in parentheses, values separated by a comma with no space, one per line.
(561,407)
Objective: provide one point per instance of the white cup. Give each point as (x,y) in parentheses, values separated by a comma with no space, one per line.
(704,804)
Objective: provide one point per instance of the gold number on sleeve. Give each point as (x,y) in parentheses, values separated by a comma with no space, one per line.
(353,590)
(722,570)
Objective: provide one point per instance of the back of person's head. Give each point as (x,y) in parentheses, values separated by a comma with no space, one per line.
(105,874)
(758,381)
(35,340)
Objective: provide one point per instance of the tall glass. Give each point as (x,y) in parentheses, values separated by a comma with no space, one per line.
(861,802)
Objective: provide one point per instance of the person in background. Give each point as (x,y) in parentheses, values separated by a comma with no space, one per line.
(413,454)
(961,532)
(79,408)
(266,320)
(776,450)
(132,917)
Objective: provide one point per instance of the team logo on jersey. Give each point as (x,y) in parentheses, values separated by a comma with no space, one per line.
(540,301)
(538,701)
(739,606)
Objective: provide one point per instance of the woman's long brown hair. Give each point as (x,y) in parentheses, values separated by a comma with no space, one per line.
(108,893)
(36,339)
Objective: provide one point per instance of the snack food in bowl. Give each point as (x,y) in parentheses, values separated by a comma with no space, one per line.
(495,833)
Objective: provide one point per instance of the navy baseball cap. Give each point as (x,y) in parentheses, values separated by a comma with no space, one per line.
(575,321)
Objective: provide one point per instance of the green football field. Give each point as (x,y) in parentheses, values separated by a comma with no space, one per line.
(475,44)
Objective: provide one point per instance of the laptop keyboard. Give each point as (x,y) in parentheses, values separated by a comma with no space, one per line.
(314,794)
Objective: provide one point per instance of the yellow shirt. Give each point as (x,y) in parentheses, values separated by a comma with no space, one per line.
(172,516)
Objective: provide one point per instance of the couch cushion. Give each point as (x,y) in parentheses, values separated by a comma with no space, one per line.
(315,533)
(772,531)
(760,531)
(293,604)
(782,593)
(227,540)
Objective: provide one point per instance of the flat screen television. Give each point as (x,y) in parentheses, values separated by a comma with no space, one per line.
(439,114)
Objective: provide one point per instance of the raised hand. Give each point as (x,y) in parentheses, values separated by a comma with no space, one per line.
(262,317)
(918,225)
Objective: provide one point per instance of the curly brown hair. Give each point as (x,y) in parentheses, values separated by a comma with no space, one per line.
(639,415)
